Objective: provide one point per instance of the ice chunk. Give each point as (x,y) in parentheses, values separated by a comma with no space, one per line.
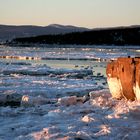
(32,101)
(66,101)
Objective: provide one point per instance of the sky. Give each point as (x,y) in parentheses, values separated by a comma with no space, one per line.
(84,13)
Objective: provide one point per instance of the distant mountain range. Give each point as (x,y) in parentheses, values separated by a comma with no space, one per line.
(9,32)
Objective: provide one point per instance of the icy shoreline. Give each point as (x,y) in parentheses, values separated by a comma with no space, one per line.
(100,117)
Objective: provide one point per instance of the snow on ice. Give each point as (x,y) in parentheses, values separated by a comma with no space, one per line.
(39,102)
(100,117)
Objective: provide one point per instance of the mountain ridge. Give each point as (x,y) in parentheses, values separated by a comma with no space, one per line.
(9,32)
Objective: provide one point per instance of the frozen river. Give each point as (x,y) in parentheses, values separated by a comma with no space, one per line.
(51,73)
(23,68)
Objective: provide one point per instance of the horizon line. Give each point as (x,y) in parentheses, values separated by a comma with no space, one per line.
(99,27)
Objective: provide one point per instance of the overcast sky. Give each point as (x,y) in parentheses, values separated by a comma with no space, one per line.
(87,13)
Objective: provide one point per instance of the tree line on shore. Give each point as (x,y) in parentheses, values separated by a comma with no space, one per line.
(110,36)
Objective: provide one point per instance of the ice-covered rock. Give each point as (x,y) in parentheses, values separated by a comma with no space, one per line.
(102,93)
(66,101)
(33,101)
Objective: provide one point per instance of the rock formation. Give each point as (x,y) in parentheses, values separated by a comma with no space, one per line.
(123,76)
